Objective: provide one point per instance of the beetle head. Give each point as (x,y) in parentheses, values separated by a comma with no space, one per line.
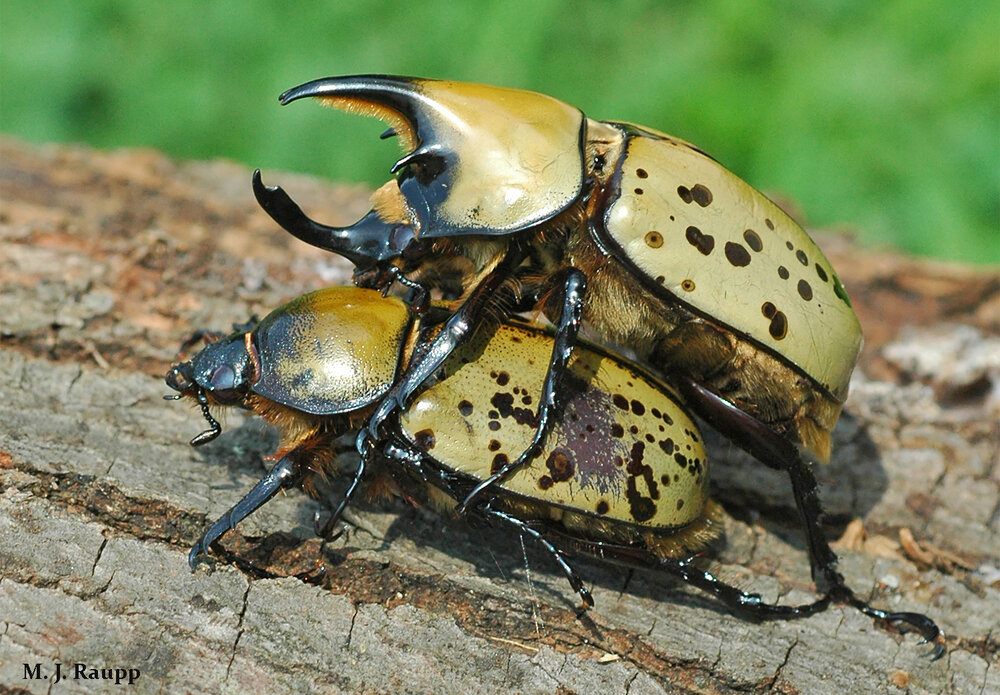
(477,160)
(221,373)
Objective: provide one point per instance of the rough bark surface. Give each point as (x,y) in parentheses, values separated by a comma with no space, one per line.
(109,260)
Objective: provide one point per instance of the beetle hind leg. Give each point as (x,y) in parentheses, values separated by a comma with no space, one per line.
(525,529)
(776,452)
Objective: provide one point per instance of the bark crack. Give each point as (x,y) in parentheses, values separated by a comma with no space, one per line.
(239,629)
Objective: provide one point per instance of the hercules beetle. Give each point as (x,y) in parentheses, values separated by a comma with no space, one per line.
(623,475)
(650,241)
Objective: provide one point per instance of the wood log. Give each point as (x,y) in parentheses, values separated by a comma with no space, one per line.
(109,260)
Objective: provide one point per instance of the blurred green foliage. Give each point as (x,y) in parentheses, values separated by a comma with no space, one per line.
(880,117)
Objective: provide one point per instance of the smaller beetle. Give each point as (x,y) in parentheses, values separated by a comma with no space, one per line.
(623,475)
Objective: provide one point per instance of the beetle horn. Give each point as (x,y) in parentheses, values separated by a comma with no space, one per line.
(365,243)
(393,100)
(477,159)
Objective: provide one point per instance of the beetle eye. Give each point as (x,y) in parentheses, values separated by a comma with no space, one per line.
(223,383)
(420,165)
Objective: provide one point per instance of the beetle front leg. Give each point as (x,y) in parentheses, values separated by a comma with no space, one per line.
(286,473)
(456,330)
(574,286)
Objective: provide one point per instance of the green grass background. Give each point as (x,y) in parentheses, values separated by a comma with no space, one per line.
(882,118)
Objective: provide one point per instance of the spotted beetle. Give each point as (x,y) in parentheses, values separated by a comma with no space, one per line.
(643,236)
(623,475)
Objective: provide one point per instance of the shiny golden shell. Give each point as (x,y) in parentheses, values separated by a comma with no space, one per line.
(621,449)
(331,351)
(515,155)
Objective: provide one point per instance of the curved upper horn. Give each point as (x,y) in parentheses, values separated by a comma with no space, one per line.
(480,159)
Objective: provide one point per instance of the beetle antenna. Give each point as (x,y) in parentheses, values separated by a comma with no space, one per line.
(214,428)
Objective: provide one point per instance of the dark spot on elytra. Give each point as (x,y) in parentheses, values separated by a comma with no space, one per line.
(617,431)
(801,255)
(737,255)
(641,508)
(688,285)
(635,464)
(494,445)
(768,310)
(503,378)
(638,191)
(650,438)
(633,429)
(805,291)
(560,466)
(789,245)
(703,242)
(681,460)
(465,408)
(504,403)
(641,173)
(544,483)
(499,461)
(685,194)
(667,445)
(664,480)
(680,504)
(779,326)
(526,399)
(425,439)
(667,419)
(821,272)
(782,272)
(753,241)
(769,223)
(620,401)
(654,239)
(660,279)
(699,194)
(603,507)
(638,408)
(493,425)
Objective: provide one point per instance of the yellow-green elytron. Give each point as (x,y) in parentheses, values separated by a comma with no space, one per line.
(718,245)
(621,448)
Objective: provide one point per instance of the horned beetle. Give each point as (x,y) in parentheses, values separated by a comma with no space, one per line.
(644,237)
(623,475)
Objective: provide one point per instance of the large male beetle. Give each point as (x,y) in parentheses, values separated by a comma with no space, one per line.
(656,245)
(622,476)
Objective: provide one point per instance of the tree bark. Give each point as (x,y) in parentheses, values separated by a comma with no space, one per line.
(109,260)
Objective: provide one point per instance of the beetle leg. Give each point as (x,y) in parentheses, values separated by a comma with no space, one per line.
(286,473)
(774,451)
(365,448)
(574,286)
(525,529)
(456,330)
